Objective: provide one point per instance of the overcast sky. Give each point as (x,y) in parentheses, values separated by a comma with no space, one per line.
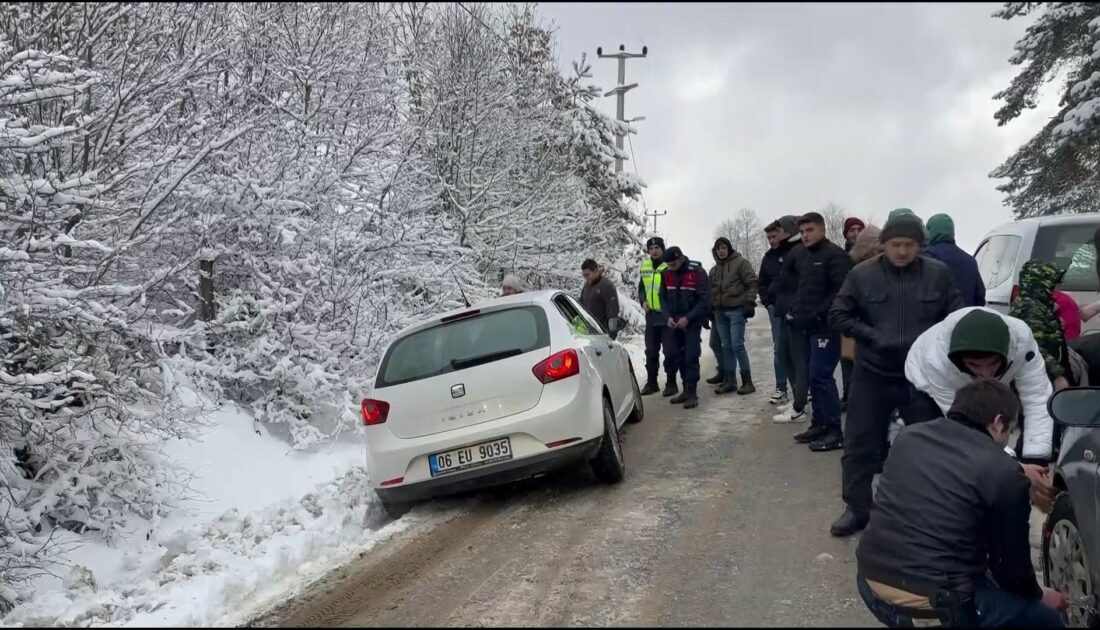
(785,107)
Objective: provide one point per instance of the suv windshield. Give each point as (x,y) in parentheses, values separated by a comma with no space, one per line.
(464,344)
(1071,247)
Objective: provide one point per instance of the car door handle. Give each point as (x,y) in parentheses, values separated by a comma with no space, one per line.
(1089,455)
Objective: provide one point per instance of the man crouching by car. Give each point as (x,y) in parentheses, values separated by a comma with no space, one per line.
(951,507)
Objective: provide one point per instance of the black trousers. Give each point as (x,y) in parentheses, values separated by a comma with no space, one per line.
(796,361)
(656,339)
(846,366)
(871,403)
(684,348)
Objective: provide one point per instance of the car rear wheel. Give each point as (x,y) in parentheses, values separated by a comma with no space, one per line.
(1065,566)
(396,509)
(608,465)
(638,413)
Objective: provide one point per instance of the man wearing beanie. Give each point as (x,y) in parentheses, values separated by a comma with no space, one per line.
(979,342)
(884,305)
(820,270)
(852,227)
(656,324)
(942,247)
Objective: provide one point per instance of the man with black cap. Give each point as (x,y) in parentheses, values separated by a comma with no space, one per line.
(885,304)
(821,269)
(685,302)
(656,324)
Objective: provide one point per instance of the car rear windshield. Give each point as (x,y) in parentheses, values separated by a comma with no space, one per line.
(464,344)
(1070,246)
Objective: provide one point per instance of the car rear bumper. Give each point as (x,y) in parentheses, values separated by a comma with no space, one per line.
(493,475)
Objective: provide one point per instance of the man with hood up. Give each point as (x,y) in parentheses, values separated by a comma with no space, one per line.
(942,247)
(978,342)
(733,300)
(1035,307)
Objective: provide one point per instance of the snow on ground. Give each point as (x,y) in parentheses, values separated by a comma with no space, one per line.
(264,520)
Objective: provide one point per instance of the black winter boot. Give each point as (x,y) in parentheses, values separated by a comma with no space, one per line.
(650,388)
(671,389)
(728,385)
(746,384)
(716,379)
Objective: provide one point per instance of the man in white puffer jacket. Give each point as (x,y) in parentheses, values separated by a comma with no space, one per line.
(980,342)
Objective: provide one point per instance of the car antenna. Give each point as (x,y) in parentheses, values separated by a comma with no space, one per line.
(468,305)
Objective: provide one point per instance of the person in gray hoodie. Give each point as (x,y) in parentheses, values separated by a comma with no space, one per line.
(733,286)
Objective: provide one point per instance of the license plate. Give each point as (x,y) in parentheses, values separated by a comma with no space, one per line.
(470,456)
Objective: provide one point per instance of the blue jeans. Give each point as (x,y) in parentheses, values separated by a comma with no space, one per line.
(731,327)
(824,352)
(994,608)
(777,347)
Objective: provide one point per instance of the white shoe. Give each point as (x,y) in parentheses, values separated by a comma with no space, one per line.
(779,398)
(792,416)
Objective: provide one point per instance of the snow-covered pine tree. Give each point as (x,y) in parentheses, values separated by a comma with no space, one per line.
(1058,170)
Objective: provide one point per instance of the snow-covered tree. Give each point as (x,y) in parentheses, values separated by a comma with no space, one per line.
(746,232)
(1058,170)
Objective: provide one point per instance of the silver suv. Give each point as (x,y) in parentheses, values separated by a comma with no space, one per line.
(1063,239)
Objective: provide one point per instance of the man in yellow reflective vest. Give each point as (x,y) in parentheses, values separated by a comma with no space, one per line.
(656,325)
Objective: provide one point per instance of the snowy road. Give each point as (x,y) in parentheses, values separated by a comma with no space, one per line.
(722,520)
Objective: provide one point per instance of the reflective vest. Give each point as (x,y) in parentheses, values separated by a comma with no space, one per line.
(651,281)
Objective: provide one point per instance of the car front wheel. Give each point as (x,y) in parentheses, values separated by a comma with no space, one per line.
(608,465)
(1065,566)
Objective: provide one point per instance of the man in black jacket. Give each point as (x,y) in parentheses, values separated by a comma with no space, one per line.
(791,344)
(951,506)
(685,300)
(821,266)
(767,284)
(885,304)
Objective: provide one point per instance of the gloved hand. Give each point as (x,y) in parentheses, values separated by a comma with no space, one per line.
(750,310)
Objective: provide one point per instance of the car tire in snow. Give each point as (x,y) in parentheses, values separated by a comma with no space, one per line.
(396,509)
(638,413)
(608,465)
(1065,566)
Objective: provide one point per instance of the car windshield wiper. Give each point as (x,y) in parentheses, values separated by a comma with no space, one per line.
(458,364)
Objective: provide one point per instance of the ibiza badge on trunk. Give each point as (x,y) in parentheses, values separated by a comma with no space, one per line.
(458,391)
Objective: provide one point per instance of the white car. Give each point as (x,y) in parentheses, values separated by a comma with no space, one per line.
(506,390)
(1065,239)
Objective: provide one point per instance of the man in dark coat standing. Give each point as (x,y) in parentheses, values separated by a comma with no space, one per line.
(685,300)
(885,304)
(821,268)
(853,227)
(942,247)
(599,296)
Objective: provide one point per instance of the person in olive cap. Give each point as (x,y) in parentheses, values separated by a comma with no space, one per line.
(685,302)
(884,305)
(942,247)
(980,342)
(656,324)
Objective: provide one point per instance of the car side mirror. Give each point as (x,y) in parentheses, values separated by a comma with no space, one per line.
(1076,406)
(615,325)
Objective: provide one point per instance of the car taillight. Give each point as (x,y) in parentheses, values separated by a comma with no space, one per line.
(558,366)
(1015,293)
(374,411)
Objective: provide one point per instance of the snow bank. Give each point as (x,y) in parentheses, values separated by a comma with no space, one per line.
(264,520)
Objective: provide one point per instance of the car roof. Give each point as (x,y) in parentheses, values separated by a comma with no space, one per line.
(1025,225)
(527,298)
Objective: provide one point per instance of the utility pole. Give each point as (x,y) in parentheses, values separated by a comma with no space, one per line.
(655,214)
(620,91)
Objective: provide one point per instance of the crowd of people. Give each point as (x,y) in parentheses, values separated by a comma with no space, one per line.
(901,310)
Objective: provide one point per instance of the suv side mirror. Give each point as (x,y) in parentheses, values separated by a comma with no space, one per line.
(1076,406)
(615,325)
